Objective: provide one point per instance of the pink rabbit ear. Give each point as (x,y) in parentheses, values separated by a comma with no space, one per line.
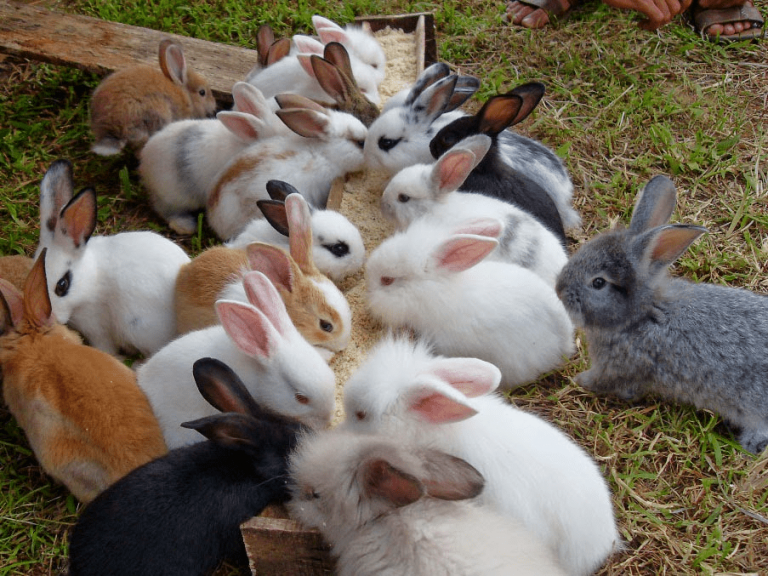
(14,303)
(462,251)
(300,232)
(433,402)
(333,35)
(308,45)
(490,227)
(306,63)
(305,122)
(78,217)
(264,296)
(245,126)
(470,376)
(451,169)
(320,23)
(250,99)
(382,480)
(248,328)
(172,62)
(273,262)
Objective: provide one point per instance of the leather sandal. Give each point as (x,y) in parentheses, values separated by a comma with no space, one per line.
(703,18)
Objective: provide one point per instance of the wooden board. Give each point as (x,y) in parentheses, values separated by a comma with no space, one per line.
(102,47)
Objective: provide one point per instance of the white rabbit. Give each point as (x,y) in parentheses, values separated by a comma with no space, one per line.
(117,291)
(438,285)
(179,165)
(533,472)
(259,342)
(430,191)
(390,509)
(337,246)
(359,42)
(332,147)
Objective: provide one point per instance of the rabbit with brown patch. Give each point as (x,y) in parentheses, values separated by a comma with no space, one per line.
(132,104)
(85,417)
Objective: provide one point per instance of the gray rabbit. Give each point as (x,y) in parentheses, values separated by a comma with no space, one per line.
(695,343)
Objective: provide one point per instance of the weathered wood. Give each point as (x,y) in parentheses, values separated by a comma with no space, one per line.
(422,24)
(102,47)
(279,546)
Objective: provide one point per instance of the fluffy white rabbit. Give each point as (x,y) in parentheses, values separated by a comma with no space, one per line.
(259,342)
(533,472)
(117,290)
(390,509)
(437,282)
(359,42)
(433,192)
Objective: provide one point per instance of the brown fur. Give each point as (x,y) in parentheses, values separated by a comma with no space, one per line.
(132,104)
(15,269)
(85,417)
(237,168)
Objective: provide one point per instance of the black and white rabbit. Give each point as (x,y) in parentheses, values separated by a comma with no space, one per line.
(696,343)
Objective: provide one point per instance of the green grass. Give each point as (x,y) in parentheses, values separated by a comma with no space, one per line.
(621,106)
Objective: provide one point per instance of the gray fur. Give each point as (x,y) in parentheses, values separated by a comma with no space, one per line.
(700,344)
(185,157)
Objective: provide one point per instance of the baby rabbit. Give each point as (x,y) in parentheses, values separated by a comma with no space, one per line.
(259,341)
(525,156)
(435,281)
(115,290)
(390,509)
(533,472)
(180,515)
(648,333)
(132,104)
(358,40)
(86,420)
(337,246)
(433,192)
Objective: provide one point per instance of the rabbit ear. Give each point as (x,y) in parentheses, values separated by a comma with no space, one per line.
(265,36)
(273,262)
(274,213)
(56,190)
(337,55)
(470,376)
(490,227)
(78,217)
(461,252)
(381,479)
(432,101)
(328,35)
(498,113)
(306,63)
(248,328)
(280,190)
(250,99)
(307,45)
(232,431)
(450,171)
(12,307)
(331,79)
(466,86)
(288,100)
(432,401)
(321,23)
(531,94)
(654,205)
(172,62)
(245,126)
(300,232)
(278,50)
(37,302)
(222,388)
(449,478)
(478,144)
(429,76)
(659,247)
(305,122)
(264,296)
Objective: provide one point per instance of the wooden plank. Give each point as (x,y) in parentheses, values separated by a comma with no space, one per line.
(102,47)
(420,23)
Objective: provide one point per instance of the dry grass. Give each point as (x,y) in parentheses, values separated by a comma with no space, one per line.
(622,105)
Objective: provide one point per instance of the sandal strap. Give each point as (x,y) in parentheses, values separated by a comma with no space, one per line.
(704,18)
(552,7)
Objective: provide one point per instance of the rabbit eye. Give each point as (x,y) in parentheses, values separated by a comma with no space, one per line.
(339,249)
(301,398)
(202,92)
(361,414)
(403,198)
(62,286)
(387,144)
(598,283)
(315,495)
(326,326)
(387,280)
(360,144)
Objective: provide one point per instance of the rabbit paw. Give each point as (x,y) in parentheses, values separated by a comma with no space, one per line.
(586,379)
(754,440)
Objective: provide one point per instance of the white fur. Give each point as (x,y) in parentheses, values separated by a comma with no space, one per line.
(495,311)
(534,473)
(261,345)
(375,535)
(310,164)
(429,191)
(359,42)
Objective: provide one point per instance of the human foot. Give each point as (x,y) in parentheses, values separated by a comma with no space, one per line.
(727,18)
(535,13)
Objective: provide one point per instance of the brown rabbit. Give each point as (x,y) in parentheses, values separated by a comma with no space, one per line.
(85,417)
(132,104)
(15,269)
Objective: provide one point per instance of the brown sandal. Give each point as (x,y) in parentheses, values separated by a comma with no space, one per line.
(703,18)
(551,7)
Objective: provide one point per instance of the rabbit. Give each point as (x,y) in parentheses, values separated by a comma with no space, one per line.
(433,192)
(337,246)
(86,420)
(316,307)
(533,472)
(437,283)
(115,290)
(15,268)
(390,509)
(358,40)
(400,136)
(181,514)
(179,165)
(261,344)
(695,343)
(525,156)
(130,105)
(332,147)
(270,49)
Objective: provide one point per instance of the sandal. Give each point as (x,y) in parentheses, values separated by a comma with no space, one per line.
(550,7)
(703,18)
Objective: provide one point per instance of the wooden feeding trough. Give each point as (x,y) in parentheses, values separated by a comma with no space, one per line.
(275,544)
